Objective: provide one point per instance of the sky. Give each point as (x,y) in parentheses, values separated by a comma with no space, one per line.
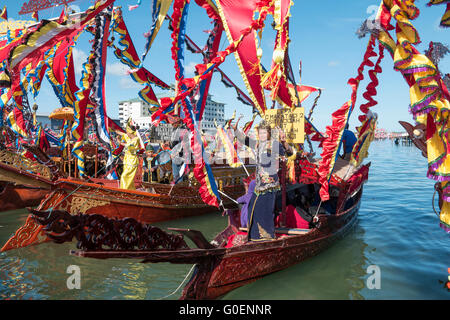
(322,37)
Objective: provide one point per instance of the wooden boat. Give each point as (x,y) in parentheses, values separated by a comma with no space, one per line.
(227,262)
(13,197)
(155,202)
(152,202)
(23,183)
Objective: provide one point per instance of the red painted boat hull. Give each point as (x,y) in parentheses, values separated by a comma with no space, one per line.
(87,198)
(244,264)
(13,197)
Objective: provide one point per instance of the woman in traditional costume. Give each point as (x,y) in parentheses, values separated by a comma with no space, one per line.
(261,207)
(130,161)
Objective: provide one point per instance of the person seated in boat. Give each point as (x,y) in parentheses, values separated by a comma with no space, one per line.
(131,144)
(245,200)
(268,152)
(151,151)
(348,141)
(180,145)
(161,164)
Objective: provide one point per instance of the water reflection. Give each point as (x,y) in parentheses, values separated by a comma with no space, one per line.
(40,272)
(336,273)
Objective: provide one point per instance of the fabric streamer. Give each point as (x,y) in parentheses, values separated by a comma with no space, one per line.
(332,143)
(159,12)
(132,7)
(445,21)
(202,171)
(429,97)
(237,16)
(366,134)
(230,150)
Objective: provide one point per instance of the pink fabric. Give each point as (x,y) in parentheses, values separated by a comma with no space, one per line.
(236,239)
(293,219)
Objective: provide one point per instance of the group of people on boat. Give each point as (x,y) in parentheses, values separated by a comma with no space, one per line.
(258,205)
(169,162)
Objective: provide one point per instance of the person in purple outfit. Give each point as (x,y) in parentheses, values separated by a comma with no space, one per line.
(244,201)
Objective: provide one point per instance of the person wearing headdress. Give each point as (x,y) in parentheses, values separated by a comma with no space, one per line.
(131,144)
(268,152)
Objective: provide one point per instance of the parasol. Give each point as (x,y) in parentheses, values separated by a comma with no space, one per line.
(65,113)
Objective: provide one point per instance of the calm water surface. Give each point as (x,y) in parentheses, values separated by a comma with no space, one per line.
(397,230)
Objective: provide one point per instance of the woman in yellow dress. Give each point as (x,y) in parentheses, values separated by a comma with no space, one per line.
(130,161)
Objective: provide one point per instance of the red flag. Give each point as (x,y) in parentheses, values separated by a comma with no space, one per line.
(63,16)
(35,15)
(4,14)
(303,91)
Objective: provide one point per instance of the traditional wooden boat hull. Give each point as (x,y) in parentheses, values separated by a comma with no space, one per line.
(154,202)
(24,183)
(220,269)
(20,189)
(229,261)
(13,197)
(244,264)
(87,198)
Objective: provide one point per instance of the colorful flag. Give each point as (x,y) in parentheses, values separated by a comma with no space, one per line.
(160,9)
(148,95)
(48,34)
(35,15)
(235,16)
(4,14)
(63,16)
(445,21)
(230,121)
(366,133)
(230,150)
(303,92)
(241,96)
(248,125)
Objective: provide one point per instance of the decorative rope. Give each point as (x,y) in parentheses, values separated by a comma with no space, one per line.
(182,282)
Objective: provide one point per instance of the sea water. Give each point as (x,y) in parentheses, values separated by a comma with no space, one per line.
(397,241)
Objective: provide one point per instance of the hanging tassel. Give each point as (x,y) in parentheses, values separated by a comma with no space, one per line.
(270,78)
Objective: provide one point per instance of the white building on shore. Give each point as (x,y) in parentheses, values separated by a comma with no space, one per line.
(213,111)
(139,111)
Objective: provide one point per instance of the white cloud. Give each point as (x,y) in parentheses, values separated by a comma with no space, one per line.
(117,69)
(437,25)
(79,57)
(128,83)
(334,63)
(190,68)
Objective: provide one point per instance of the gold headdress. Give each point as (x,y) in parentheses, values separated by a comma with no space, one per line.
(131,128)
